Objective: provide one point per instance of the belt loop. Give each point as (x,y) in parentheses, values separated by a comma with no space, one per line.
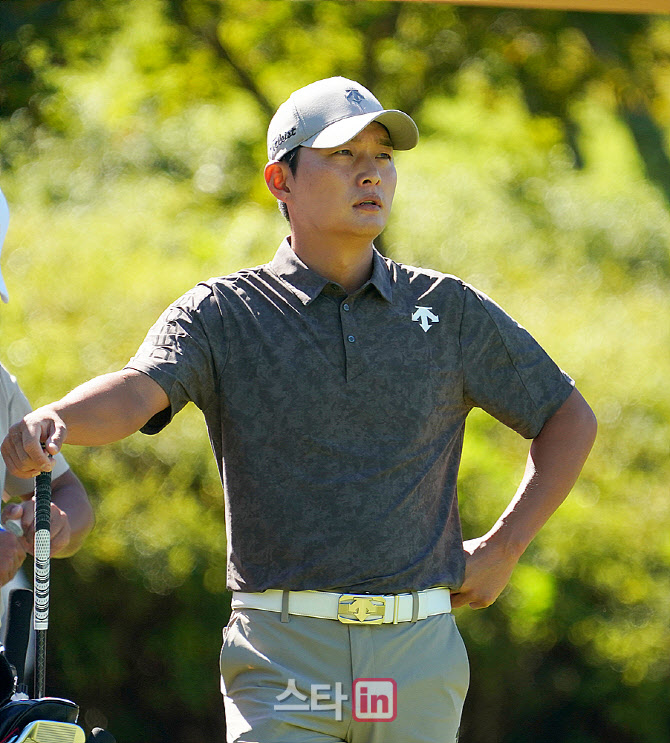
(284,608)
(396,607)
(415,605)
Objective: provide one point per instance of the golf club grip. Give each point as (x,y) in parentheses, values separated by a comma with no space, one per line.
(41,579)
(17,635)
(42,548)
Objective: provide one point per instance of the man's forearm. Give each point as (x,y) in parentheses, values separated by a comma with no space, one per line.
(555,460)
(109,408)
(103,410)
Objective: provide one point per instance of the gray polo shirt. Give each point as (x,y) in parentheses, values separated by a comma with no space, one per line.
(337,420)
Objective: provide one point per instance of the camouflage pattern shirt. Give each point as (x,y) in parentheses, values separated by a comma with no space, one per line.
(337,420)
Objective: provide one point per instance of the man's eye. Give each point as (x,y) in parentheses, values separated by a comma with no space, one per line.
(343,152)
(385,155)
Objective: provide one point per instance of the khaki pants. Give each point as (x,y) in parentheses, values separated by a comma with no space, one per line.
(319,681)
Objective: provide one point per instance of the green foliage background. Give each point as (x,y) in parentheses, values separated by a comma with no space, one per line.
(131,149)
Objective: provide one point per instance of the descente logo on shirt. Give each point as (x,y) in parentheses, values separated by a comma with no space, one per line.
(425,317)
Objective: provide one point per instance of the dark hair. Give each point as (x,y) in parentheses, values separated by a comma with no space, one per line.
(291,159)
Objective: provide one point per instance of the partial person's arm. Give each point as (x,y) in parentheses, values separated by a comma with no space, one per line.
(103,410)
(12,555)
(556,458)
(71,516)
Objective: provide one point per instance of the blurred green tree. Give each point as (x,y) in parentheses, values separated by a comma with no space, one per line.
(131,145)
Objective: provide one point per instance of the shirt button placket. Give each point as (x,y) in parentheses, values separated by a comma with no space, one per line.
(348,331)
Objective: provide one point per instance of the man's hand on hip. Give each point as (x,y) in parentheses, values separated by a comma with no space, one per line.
(487,572)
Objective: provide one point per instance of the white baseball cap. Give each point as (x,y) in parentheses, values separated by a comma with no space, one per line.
(4,224)
(329,113)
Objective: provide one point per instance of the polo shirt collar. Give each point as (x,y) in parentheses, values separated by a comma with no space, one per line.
(307,284)
(381,276)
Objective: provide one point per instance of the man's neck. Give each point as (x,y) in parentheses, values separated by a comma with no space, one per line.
(349,265)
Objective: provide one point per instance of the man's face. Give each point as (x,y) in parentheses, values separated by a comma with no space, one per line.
(346,190)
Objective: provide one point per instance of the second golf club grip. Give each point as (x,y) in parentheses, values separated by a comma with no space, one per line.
(42,548)
(17,636)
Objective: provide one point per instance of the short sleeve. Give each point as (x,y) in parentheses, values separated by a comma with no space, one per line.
(177,354)
(506,372)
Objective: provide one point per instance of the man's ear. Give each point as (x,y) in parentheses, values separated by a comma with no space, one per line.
(276,175)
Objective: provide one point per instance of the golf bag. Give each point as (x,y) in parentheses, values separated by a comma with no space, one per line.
(42,719)
(46,720)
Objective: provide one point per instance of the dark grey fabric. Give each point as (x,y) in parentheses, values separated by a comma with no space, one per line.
(337,421)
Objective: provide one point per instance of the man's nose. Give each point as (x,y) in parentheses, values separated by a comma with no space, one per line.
(369,174)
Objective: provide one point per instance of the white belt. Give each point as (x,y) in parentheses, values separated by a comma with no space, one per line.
(349,608)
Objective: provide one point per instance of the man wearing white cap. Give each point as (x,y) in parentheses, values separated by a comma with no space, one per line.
(335,384)
(71,513)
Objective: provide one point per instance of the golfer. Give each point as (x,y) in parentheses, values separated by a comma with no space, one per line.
(335,384)
(71,512)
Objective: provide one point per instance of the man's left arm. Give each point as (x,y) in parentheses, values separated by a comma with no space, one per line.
(71,516)
(555,460)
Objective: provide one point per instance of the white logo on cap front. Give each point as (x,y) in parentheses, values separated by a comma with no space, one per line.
(353,96)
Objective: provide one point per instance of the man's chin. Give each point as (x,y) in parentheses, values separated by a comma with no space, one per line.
(370,228)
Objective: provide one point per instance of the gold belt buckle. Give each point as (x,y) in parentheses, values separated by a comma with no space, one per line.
(353,609)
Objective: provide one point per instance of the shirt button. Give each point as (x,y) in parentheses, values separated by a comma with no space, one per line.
(345,307)
(351,339)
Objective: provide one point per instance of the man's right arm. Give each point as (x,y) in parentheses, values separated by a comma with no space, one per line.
(105,409)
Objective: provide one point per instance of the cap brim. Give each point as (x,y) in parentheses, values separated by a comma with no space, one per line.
(401,128)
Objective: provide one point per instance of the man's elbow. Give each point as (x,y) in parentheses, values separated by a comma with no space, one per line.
(582,420)
(589,422)
(592,424)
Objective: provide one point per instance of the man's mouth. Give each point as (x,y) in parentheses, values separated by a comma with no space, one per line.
(369,203)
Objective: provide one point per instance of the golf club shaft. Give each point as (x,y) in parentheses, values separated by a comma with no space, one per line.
(41,580)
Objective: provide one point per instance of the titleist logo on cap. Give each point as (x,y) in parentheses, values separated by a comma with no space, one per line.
(280,139)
